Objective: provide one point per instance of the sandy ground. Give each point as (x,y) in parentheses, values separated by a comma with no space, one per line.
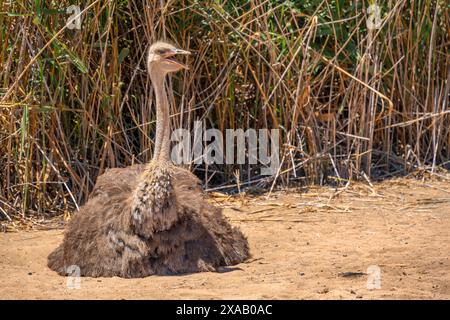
(320,244)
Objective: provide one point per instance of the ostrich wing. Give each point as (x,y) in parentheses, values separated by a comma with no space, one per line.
(117,180)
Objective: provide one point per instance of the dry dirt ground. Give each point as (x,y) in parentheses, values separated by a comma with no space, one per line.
(319,244)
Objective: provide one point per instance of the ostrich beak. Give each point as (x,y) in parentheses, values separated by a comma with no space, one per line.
(180,51)
(170,57)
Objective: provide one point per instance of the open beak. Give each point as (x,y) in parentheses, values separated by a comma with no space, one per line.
(170,57)
(180,51)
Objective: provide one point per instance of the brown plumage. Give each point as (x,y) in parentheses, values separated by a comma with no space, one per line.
(149,219)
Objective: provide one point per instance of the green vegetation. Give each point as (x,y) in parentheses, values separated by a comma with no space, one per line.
(350,101)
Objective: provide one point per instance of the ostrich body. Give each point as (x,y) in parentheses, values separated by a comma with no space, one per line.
(149,219)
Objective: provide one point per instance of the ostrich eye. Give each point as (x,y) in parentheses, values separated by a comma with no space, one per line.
(161,51)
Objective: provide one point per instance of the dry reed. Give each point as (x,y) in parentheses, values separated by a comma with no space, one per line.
(350,102)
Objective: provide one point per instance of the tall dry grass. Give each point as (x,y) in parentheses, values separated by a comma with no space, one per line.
(350,102)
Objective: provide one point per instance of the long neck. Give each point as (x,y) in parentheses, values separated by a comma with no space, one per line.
(153,192)
(162,143)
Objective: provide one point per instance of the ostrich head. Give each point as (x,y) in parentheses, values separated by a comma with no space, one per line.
(161,58)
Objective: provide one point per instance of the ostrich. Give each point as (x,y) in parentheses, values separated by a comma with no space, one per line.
(149,219)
